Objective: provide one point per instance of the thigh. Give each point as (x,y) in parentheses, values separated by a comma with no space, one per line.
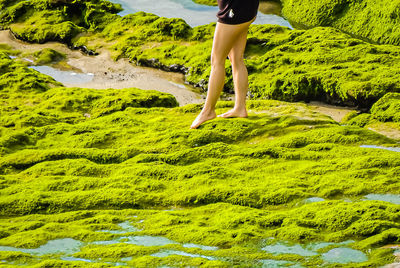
(237,51)
(225,38)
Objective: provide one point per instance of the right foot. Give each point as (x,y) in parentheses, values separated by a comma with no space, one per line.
(201,118)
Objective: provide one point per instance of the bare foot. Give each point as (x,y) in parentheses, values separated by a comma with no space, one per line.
(234,113)
(203,117)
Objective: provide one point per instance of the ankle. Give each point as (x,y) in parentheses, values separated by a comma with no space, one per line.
(240,108)
(207,111)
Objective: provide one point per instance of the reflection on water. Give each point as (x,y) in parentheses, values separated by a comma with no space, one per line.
(190,245)
(282,248)
(393,149)
(391,198)
(344,255)
(279,264)
(339,254)
(64,76)
(125,226)
(313,200)
(194,14)
(166,253)
(64,246)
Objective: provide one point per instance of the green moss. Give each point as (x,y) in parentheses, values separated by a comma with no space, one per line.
(47,55)
(387,108)
(384,112)
(368,19)
(360,120)
(46,20)
(75,161)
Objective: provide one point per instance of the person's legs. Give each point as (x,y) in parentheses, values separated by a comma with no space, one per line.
(225,37)
(240,77)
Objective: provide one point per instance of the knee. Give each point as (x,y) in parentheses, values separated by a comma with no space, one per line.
(217,61)
(236,61)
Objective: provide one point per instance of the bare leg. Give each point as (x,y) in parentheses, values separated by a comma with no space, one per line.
(240,77)
(225,37)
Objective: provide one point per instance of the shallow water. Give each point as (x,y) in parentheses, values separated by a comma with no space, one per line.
(64,246)
(126,227)
(148,241)
(281,248)
(313,200)
(67,247)
(279,264)
(339,254)
(344,255)
(391,198)
(122,263)
(199,246)
(393,149)
(166,253)
(69,77)
(194,14)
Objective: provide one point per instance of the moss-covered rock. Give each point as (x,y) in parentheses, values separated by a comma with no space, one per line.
(384,115)
(377,21)
(387,108)
(47,20)
(47,55)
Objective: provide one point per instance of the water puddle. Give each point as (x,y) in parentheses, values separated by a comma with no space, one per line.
(166,253)
(125,226)
(339,254)
(279,264)
(122,263)
(69,77)
(147,240)
(64,246)
(344,255)
(76,259)
(283,248)
(67,247)
(194,14)
(391,198)
(313,200)
(199,246)
(393,149)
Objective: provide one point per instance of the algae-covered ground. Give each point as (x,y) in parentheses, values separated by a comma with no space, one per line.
(291,65)
(105,178)
(101,178)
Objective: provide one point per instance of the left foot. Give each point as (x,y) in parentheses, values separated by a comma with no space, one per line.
(234,113)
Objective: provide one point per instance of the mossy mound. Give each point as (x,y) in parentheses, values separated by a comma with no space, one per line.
(376,21)
(47,20)
(325,64)
(384,116)
(47,55)
(387,108)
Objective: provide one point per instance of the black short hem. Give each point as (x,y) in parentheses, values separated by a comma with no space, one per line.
(236,22)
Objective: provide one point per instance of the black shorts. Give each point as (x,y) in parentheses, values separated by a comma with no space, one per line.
(237,11)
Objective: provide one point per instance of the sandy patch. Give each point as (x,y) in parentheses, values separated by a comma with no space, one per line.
(335,112)
(108,73)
